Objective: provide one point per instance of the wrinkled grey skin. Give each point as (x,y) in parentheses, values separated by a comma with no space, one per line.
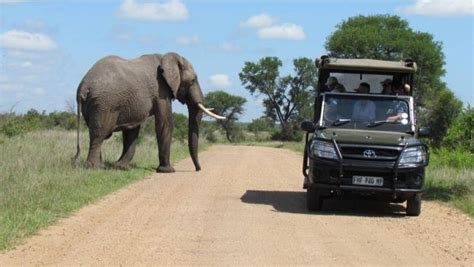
(118,95)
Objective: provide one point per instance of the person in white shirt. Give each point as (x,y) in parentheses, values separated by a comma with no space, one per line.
(364,110)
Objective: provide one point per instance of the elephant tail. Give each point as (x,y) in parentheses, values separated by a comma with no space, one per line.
(78,147)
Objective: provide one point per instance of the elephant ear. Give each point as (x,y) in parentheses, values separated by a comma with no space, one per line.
(170,64)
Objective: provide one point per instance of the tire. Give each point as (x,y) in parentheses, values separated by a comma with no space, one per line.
(314,201)
(414,205)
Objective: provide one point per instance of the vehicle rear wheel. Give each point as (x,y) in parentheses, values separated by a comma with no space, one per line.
(414,205)
(314,200)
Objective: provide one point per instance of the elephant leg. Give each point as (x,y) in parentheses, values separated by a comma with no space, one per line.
(130,139)
(101,127)
(94,158)
(164,134)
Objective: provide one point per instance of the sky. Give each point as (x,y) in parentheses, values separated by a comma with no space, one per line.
(47,46)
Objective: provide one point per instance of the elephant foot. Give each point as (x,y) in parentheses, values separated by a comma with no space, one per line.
(165,169)
(94,165)
(122,166)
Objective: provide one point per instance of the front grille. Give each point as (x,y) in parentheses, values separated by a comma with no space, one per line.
(374,153)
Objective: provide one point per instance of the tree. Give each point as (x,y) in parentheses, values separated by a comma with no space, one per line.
(389,37)
(286,98)
(460,134)
(229,106)
(445,109)
(261,124)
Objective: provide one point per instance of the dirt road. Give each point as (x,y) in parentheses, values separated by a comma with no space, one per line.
(245,207)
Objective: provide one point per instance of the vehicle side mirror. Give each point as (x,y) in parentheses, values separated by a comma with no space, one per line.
(424,131)
(308,126)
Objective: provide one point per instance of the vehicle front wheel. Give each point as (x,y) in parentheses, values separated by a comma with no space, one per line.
(414,205)
(314,200)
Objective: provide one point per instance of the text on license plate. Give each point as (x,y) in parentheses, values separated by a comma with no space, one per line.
(367,180)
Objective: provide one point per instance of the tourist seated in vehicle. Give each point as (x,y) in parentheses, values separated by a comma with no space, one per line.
(364,109)
(387,87)
(332,85)
(390,88)
(399,110)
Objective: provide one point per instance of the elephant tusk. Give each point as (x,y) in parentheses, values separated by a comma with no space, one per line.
(208,112)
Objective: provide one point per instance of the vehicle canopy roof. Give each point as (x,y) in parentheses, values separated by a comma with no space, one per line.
(371,65)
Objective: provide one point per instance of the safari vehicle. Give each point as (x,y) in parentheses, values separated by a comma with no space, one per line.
(380,155)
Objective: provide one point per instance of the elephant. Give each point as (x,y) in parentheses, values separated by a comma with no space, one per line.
(117,94)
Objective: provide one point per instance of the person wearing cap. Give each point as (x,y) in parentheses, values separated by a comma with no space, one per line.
(364,109)
(387,87)
(333,85)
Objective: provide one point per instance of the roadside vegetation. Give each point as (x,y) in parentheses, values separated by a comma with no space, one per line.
(39,184)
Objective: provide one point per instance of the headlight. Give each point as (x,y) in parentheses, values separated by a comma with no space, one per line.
(413,155)
(322,149)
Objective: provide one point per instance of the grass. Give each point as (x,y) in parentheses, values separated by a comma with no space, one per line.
(39,185)
(449,176)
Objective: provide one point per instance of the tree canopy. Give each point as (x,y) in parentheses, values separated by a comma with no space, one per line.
(286,98)
(229,106)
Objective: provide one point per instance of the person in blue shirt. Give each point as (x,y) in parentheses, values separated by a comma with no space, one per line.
(364,109)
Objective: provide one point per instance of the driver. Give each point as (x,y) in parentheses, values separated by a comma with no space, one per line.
(364,109)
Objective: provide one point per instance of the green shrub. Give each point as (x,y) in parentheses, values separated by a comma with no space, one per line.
(180,124)
(14,127)
(460,134)
(452,158)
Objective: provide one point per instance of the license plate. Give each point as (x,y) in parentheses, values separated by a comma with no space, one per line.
(367,180)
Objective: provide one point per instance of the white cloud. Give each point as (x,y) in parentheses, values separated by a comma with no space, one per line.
(269,28)
(258,21)
(440,8)
(173,10)
(188,40)
(27,41)
(34,79)
(286,31)
(219,81)
(230,47)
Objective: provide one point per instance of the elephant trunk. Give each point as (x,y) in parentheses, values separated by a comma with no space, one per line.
(195,115)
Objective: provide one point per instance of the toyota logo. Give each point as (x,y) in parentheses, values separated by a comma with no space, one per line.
(369,153)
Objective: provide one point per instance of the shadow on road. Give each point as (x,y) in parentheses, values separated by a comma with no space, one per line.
(295,202)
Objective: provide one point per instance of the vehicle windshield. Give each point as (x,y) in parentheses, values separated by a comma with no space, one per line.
(354,111)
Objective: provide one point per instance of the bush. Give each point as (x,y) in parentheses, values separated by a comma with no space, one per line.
(445,157)
(289,132)
(14,126)
(461,132)
(261,124)
(180,124)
